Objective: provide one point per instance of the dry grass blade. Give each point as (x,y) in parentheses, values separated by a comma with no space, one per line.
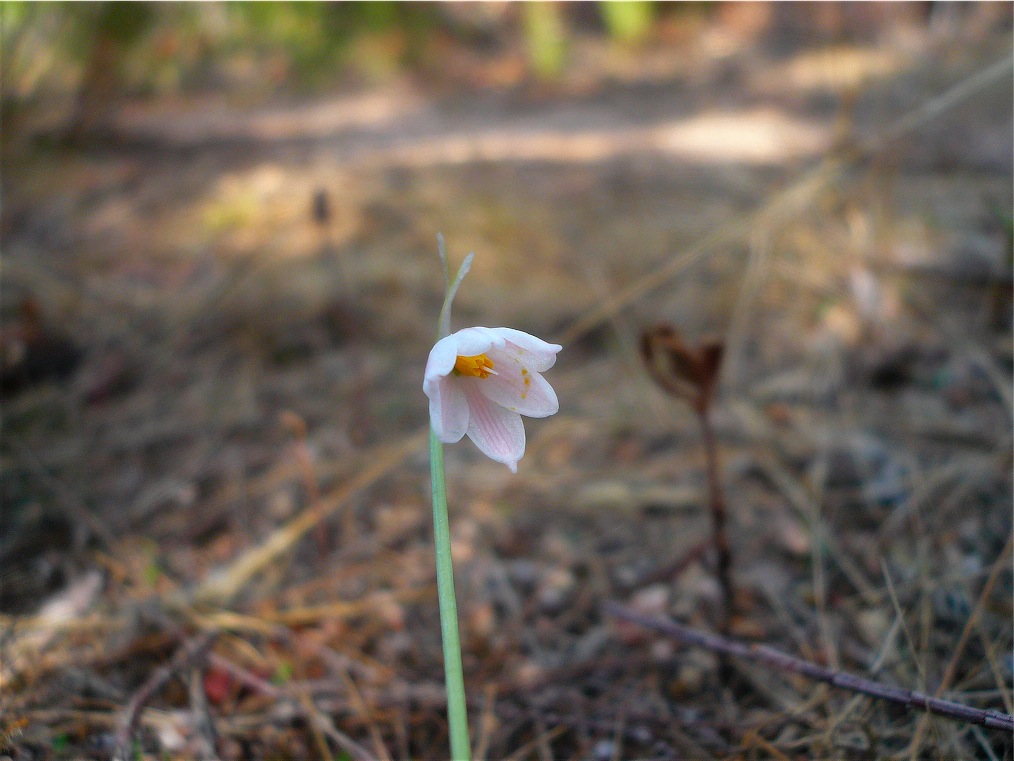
(360,707)
(337,611)
(999,565)
(487,723)
(540,742)
(319,724)
(753,740)
(322,724)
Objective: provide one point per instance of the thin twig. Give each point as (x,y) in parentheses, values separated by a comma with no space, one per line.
(190,653)
(299,700)
(360,707)
(991,719)
(672,571)
(323,723)
(206,735)
(318,723)
(69,499)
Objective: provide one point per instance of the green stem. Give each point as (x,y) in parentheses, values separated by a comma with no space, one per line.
(457,714)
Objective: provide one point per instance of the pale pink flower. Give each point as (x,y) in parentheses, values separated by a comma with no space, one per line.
(480,381)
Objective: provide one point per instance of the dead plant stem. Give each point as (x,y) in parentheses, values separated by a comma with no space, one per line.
(306,466)
(719,532)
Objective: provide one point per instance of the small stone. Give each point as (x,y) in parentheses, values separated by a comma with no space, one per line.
(651,601)
(555,590)
(524,573)
(662,650)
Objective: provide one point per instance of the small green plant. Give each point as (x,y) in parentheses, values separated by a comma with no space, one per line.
(283,673)
(479,381)
(60,742)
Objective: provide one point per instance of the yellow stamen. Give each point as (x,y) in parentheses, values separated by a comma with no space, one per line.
(479,366)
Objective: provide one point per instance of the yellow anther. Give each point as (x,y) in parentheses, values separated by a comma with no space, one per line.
(478,366)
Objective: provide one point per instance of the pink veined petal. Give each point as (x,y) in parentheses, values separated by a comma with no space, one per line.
(508,388)
(449,412)
(496,431)
(535,353)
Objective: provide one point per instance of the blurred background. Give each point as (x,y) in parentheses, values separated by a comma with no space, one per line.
(219,286)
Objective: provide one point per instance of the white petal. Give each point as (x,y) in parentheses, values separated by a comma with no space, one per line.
(440,362)
(535,353)
(497,432)
(509,389)
(473,341)
(448,410)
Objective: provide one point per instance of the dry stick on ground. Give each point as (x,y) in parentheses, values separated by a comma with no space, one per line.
(673,570)
(206,735)
(189,654)
(991,719)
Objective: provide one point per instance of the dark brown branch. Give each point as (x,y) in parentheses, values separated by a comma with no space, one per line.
(189,654)
(991,719)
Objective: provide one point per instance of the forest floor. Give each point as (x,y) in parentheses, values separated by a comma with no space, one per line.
(240,448)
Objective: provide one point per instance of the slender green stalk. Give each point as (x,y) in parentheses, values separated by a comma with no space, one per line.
(457,714)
